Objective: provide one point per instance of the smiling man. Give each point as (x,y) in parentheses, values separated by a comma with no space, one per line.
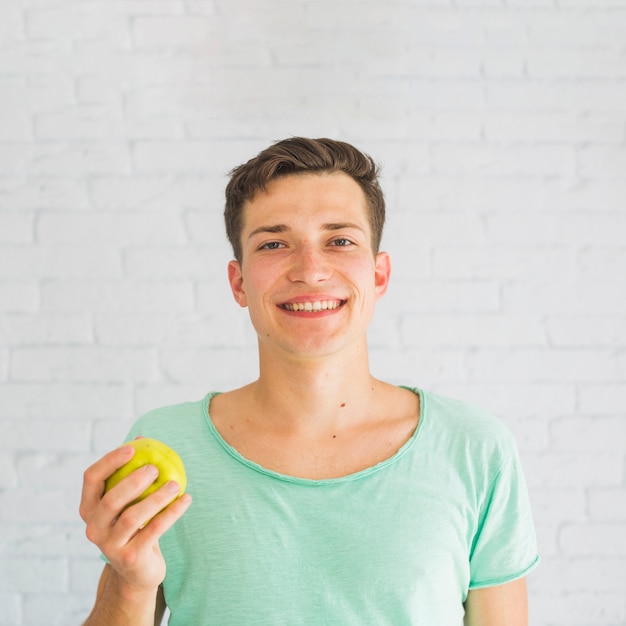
(321,494)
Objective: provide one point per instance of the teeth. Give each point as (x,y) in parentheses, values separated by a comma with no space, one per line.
(321,305)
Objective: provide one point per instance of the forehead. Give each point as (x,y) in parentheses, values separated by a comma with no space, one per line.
(307,195)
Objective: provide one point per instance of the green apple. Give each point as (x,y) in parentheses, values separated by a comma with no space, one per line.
(151,452)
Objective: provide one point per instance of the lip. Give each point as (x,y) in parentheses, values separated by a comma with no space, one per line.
(318,304)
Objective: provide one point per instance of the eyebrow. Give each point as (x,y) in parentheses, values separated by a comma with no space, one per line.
(281,228)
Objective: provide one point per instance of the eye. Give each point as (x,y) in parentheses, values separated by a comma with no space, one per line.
(341,242)
(271,245)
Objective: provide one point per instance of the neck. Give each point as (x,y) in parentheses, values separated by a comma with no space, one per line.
(315,394)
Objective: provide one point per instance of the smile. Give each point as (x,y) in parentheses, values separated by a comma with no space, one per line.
(313,307)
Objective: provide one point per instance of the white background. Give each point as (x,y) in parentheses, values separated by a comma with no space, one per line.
(501,129)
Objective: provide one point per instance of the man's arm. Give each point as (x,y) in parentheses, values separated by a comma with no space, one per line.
(115,605)
(502,605)
(129,589)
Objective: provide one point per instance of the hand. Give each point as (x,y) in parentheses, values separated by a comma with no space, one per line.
(120,530)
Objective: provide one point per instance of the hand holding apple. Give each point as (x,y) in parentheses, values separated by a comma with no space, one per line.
(151,452)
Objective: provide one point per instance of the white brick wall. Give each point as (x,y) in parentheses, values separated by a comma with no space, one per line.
(501,126)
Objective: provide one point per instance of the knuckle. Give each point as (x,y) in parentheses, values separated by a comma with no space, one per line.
(92,534)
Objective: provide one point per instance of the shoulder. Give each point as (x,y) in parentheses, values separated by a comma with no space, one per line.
(174,422)
(463,417)
(465,431)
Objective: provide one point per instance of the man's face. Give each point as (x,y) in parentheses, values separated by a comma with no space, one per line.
(308,273)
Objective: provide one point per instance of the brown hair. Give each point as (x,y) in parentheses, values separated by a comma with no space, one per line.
(299,155)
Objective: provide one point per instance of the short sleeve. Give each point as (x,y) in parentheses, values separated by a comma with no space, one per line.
(504,546)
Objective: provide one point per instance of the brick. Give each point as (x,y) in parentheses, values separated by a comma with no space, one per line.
(122,296)
(557,298)
(602,162)
(11,23)
(583,575)
(233,366)
(77,22)
(430,296)
(578,609)
(183,31)
(132,329)
(217,330)
(565,504)
(573,470)
(563,127)
(34,575)
(152,193)
(556,228)
(16,227)
(209,293)
(443,227)
(598,262)
(585,195)
(10,608)
(580,95)
(95,123)
(28,402)
(40,540)
(471,331)
(188,156)
(42,434)
(470,262)
(121,229)
(127,8)
(602,399)
(83,364)
(44,329)
(586,331)
(502,161)
(509,64)
(176,262)
(84,576)
(607,505)
(15,125)
(519,400)
(442,27)
(201,7)
(152,396)
(544,365)
(109,434)
(577,31)
(19,297)
(425,368)
(41,193)
(574,63)
(57,609)
(40,92)
(62,159)
(4,365)
(589,434)
(8,471)
(594,539)
(60,261)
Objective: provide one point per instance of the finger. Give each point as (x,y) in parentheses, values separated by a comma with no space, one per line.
(127,491)
(95,476)
(164,520)
(141,515)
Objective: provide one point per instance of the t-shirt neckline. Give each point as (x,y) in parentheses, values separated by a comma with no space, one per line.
(233,452)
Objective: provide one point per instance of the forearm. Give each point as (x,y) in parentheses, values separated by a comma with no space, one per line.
(118,604)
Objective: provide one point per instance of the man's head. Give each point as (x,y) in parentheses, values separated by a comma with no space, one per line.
(299,155)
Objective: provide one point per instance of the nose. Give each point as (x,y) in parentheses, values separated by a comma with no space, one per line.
(309,265)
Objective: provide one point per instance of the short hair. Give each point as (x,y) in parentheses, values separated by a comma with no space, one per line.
(300,155)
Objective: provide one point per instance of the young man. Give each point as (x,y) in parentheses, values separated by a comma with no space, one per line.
(321,495)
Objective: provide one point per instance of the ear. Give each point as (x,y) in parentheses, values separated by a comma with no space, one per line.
(235,278)
(382,274)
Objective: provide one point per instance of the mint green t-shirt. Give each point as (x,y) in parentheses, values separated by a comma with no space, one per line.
(399,543)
